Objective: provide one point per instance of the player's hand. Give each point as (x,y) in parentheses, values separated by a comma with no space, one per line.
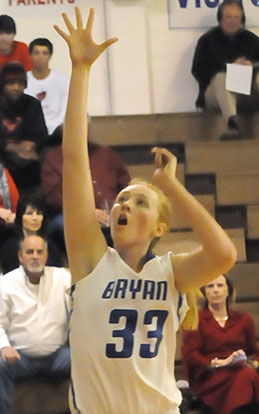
(165,166)
(9,354)
(83,50)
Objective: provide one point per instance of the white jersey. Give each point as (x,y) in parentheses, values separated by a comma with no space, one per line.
(122,337)
(52,92)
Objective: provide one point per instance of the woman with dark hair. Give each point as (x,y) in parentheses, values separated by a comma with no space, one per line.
(30,214)
(220,357)
(30,220)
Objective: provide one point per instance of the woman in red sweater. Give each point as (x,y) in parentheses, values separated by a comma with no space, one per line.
(221,356)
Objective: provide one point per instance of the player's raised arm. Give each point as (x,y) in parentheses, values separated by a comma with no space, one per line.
(218,253)
(84,240)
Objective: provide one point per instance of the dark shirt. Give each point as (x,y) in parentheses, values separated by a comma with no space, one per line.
(23,120)
(214,49)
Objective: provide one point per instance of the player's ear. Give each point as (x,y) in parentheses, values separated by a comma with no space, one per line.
(160,229)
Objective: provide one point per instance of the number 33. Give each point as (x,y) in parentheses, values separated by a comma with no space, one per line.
(127,333)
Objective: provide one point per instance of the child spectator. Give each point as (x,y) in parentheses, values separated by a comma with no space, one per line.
(10,49)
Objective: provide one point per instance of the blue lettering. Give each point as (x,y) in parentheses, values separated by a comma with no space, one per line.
(212,3)
(107,294)
(121,288)
(149,289)
(124,288)
(135,289)
(161,286)
(183,4)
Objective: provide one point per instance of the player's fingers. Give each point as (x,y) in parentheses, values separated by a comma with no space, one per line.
(79,21)
(68,23)
(108,43)
(158,159)
(90,20)
(61,32)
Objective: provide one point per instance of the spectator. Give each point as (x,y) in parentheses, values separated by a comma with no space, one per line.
(23,132)
(229,42)
(8,197)
(30,219)
(47,85)
(10,49)
(219,357)
(33,320)
(109,177)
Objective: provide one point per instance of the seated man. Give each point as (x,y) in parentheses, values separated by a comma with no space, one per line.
(23,132)
(229,42)
(10,49)
(34,313)
(47,85)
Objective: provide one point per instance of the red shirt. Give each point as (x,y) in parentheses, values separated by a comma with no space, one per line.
(20,53)
(109,175)
(14,195)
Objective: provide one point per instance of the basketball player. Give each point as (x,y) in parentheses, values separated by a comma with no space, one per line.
(127,302)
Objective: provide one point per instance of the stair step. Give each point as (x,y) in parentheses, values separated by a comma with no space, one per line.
(186,241)
(245,278)
(201,183)
(232,157)
(253,222)
(231,216)
(237,189)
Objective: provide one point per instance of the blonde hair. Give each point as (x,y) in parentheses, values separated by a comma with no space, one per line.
(191,319)
(165,211)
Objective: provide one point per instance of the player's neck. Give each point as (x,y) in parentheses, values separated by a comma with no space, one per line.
(134,256)
(41,73)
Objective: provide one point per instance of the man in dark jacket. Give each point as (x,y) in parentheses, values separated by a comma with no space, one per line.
(23,132)
(229,42)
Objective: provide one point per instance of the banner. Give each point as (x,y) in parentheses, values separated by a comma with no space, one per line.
(38,8)
(202,13)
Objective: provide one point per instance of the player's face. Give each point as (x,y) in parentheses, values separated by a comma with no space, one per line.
(32,219)
(135,216)
(14,89)
(40,57)
(231,20)
(6,42)
(217,291)
(33,255)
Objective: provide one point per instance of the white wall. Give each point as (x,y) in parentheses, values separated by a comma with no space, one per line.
(147,71)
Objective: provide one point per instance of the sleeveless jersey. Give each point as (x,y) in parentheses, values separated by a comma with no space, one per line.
(123,338)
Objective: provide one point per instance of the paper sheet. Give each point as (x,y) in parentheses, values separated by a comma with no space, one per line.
(239,78)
